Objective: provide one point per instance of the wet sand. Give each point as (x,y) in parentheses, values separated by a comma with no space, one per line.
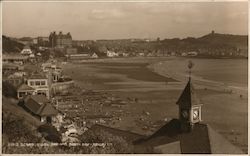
(131,78)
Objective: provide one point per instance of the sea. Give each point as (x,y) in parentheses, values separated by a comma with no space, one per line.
(227,72)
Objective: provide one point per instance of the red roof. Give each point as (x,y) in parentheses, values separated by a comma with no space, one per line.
(188,97)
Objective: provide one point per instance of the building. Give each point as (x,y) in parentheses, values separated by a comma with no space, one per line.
(11,68)
(185,135)
(24,90)
(15,79)
(188,134)
(39,106)
(43,41)
(35,41)
(70,51)
(39,82)
(81,56)
(26,51)
(111,54)
(94,55)
(192,53)
(52,69)
(16,59)
(60,40)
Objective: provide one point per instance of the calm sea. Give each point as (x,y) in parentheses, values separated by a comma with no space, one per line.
(228,71)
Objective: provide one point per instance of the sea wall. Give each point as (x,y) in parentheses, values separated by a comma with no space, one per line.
(61,87)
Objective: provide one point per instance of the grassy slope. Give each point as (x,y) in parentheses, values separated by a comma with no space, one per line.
(10,106)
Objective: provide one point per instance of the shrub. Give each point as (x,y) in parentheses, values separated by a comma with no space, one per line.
(9,90)
(51,133)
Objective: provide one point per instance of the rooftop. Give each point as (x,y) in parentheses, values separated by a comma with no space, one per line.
(37,75)
(25,87)
(201,139)
(13,57)
(39,105)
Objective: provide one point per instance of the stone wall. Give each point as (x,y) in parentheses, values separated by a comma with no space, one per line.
(61,87)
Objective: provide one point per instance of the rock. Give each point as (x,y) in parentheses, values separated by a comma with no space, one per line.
(147,113)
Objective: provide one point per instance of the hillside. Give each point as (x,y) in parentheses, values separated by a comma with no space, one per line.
(11,46)
(212,41)
(17,124)
(226,39)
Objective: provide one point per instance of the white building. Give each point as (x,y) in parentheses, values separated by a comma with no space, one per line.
(26,51)
(111,54)
(94,55)
(192,53)
(40,84)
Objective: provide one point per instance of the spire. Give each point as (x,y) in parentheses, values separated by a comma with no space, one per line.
(188,97)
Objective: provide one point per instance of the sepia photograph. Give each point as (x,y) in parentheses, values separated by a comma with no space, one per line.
(124,77)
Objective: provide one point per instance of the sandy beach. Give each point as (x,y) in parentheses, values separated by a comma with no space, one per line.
(157,89)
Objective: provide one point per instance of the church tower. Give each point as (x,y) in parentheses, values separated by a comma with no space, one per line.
(189,106)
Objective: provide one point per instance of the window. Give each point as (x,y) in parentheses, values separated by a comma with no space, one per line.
(37,83)
(21,94)
(31,83)
(43,83)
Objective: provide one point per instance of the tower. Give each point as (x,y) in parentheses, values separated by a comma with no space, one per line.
(189,106)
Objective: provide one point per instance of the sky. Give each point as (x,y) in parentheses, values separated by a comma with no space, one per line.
(121,20)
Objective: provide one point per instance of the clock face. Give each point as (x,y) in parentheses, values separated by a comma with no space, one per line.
(184,114)
(195,114)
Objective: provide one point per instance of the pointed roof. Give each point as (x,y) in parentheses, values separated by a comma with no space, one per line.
(25,87)
(188,97)
(47,110)
(201,140)
(39,99)
(39,105)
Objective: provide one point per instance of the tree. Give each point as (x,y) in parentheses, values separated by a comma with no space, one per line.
(9,90)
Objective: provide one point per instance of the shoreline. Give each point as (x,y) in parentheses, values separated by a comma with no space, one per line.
(154,65)
(154,97)
(198,81)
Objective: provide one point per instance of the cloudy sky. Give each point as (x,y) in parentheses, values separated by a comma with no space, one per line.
(110,20)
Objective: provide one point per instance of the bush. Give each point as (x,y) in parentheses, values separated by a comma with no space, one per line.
(9,90)
(51,133)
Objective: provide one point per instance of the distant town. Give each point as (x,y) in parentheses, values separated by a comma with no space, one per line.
(58,44)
